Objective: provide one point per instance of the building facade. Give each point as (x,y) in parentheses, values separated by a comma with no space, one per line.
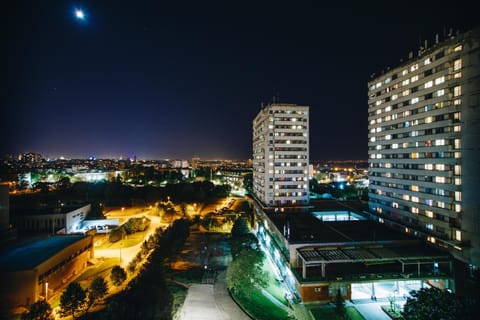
(424,155)
(281,155)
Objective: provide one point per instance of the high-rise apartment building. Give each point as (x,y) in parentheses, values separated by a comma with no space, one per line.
(424,145)
(281,155)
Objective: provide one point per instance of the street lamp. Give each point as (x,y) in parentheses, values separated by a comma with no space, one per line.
(46,291)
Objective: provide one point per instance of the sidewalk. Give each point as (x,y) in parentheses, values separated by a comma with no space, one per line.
(225,302)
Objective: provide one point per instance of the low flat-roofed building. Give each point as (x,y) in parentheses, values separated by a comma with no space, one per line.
(40,268)
(361,258)
(64,218)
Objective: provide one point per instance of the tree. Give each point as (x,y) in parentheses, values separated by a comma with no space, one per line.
(97,290)
(118,275)
(433,303)
(72,299)
(40,310)
(340,306)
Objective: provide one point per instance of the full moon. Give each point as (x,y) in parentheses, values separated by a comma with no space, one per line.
(79,14)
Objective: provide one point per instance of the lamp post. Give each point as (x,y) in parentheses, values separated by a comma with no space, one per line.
(46,291)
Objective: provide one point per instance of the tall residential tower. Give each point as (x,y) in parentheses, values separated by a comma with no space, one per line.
(424,145)
(280,155)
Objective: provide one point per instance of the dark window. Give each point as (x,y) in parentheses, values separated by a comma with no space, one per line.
(414,89)
(439,55)
(394,76)
(428,96)
(427,72)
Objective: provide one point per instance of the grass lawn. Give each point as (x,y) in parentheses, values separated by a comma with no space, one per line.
(187,276)
(328,312)
(102,269)
(178,294)
(274,287)
(130,240)
(260,307)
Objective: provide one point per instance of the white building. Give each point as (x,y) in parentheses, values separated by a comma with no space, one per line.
(281,155)
(424,155)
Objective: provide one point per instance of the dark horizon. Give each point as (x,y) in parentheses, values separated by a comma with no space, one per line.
(159,81)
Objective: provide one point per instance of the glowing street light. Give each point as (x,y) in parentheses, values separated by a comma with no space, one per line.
(79,14)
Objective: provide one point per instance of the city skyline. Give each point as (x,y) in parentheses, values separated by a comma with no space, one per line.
(165,81)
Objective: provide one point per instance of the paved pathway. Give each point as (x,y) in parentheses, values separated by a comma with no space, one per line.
(371,310)
(211,302)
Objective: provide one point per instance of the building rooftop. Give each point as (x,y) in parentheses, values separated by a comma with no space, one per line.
(47,210)
(305,228)
(30,255)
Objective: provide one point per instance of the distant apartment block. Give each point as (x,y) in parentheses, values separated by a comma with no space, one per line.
(424,145)
(281,155)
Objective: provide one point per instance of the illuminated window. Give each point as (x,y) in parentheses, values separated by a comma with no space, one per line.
(379,120)
(457,65)
(458,208)
(389,108)
(440,179)
(378,102)
(427,61)
(440,167)
(379,84)
(395,146)
(414,78)
(379,156)
(378,129)
(440,142)
(429,213)
(440,80)
(428,119)
(441,204)
(458,196)
(414,155)
(457,91)
(428,166)
(388,137)
(372,139)
(414,100)
(406,197)
(457,128)
(414,67)
(388,165)
(458,235)
(378,147)
(379,111)
(458,48)
(406,113)
(457,75)
(440,92)
(428,84)
(394,97)
(429,226)
(394,205)
(458,181)
(405,82)
(414,210)
(431,239)
(414,188)
(457,102)
(414,199)
(404,72)
(457,143)
(458,170)
(387,80)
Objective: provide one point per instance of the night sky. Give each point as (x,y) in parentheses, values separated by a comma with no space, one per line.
(173,79)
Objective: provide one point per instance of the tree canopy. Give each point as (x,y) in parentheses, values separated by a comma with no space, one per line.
(433,304)
(40,310)
(72,300)
(118,275)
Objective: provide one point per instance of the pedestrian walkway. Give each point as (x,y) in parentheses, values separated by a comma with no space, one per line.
(370,310)
(211,302)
